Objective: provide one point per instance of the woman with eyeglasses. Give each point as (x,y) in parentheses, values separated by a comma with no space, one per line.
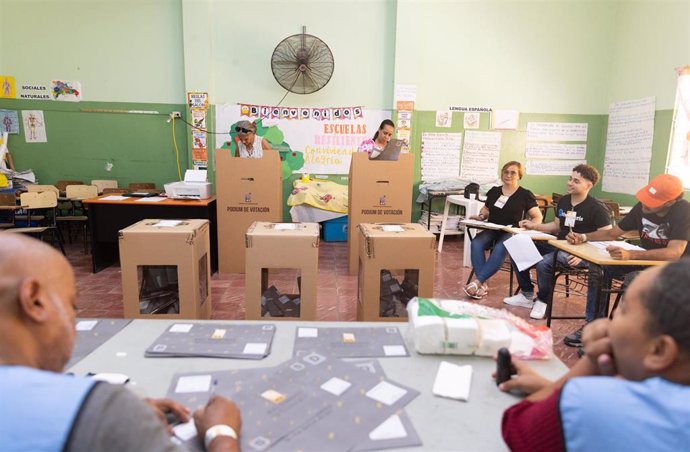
(249,144)
(383,135)
(506,204)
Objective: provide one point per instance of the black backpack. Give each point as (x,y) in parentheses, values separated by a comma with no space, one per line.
(470,188)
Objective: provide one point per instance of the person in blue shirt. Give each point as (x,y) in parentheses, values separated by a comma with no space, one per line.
(45,410)
(631,390)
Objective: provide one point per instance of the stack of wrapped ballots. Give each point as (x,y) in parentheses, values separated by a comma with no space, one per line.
(460,328)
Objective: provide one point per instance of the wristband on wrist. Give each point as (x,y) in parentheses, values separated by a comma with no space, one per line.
(216,431)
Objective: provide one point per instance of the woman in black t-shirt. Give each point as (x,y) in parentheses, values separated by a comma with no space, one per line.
(507,205)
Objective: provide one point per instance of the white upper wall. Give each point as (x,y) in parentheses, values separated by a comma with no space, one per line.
(550,56)
(534,56)
(652,38)
(120,51)
(237,40)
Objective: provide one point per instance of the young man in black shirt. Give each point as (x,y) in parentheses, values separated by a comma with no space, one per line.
(576,211)
(662,218)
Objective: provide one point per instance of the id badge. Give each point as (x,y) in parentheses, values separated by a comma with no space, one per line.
(501,201)
(570,217)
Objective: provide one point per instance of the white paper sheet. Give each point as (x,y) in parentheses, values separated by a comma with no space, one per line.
(307,332)
(618,243)
(336,386)
(391,428)
(386,393)
(194,383)
(86,325)
(394,350)
(285,226)
(114,198)
(255,348)
(483,224)
(523,251)
(453,381)
(168,223)
(185,431)
(151,199)
(181,328)
(392,228)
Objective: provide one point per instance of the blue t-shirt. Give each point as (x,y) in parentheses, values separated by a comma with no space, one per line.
(609,414)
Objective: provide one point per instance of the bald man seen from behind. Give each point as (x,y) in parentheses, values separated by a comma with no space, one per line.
(45,410)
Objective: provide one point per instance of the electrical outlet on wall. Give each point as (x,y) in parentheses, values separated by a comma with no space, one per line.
(174,114)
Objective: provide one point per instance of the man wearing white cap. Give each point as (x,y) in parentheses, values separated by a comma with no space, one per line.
(662,218)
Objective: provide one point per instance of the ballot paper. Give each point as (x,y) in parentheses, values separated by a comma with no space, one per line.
(523,251)
(617,243)
(483,224)
(453,381)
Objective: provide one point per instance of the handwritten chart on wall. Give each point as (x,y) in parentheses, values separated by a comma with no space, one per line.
(553,158)
(440,155)
(628,145)
(556,131)
(480,156)
(552,167)
(555,151)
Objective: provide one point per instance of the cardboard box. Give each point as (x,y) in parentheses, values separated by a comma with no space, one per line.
(384,251)
(166,269)
(379,191)
(247,190)
(281,246)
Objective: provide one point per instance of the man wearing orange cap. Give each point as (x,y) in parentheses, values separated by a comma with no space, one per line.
(662,218)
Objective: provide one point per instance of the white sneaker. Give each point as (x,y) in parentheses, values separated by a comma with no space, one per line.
(538,310)
(519,300)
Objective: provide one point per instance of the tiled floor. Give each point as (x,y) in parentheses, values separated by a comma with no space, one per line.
(100,294)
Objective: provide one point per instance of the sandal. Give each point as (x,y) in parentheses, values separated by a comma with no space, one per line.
(472,290)
(482,291)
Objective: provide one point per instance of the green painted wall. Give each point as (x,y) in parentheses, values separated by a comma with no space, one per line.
(140,146)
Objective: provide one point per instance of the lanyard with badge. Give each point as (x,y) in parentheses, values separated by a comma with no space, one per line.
(501,201)
(570,217)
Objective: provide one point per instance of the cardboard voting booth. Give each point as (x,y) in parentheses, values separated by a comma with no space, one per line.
(166,269)
(247,190)
(396,264)
(277,247)
(379,191)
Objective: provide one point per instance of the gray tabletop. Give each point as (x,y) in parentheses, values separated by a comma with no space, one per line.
(442,424)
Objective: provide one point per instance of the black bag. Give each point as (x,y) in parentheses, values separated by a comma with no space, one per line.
(470,188)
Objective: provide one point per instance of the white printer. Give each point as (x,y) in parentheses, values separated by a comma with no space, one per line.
(194,186)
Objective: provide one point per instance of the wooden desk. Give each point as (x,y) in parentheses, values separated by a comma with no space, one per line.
(534,235)
(107,217)
(600,258)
